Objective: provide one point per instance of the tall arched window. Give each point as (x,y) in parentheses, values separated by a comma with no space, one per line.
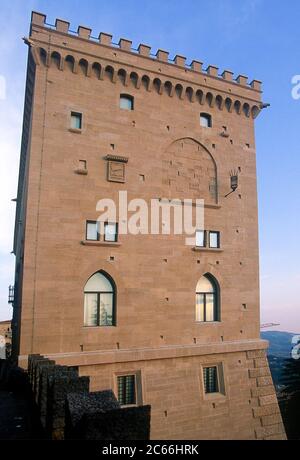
(99,301)
(207,300)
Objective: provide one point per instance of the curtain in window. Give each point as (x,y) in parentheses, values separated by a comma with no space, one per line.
(92,231)
(106,309)
(110,232)
(200,307)
(126,103)
(75,121)
(90,309)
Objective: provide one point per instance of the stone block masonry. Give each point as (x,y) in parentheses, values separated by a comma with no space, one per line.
(267,410)
(101,118)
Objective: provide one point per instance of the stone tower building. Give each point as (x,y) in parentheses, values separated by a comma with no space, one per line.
(159,321)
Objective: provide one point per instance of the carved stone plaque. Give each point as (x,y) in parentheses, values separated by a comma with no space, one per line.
(116,168)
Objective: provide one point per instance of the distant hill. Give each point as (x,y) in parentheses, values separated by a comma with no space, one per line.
(286,376)
(280,343)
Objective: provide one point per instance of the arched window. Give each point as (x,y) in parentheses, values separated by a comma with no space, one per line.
(99,301)
(205,120)
(207,300)
(126,102)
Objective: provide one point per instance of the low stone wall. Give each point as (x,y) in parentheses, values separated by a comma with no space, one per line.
(99,416)
(69,411)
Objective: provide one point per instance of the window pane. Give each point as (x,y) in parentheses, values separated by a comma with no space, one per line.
(204,285)
(200,240)
(76,120)
(90,309)
(210,307)
(126,103)
(110,232)
(126,390)
(92,231)
(98,283)
(106,310)
(214,239)
(210,375)
(205,120)
(200,307)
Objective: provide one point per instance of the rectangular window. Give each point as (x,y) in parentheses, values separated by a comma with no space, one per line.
(126,102)
(200,238)
(92,230)
(110,232)
(76,120)
(211,380)
(127,390)
(205,120)
(214,240)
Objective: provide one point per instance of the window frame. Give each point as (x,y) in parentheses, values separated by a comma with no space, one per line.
(221,383)
(97,228)
(114,301)
(133,374)
(204,238)
(218,239)
(98,308)
(216,301)
(128,97)
(217,383)
(205,294)
(208,118)
(77,115)
(116,224)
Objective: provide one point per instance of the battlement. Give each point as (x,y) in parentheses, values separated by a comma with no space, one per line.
(85,33)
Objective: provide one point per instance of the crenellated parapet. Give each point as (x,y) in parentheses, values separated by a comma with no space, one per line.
(59,47)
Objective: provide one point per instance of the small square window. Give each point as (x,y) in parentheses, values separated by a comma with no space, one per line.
(92,231)
(214,240)
(205,120)
(110,232)
(126,102)
(127,390)
(211,380)
(76,120)
(200,238)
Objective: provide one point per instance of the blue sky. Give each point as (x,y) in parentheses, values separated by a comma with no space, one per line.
(258,38)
